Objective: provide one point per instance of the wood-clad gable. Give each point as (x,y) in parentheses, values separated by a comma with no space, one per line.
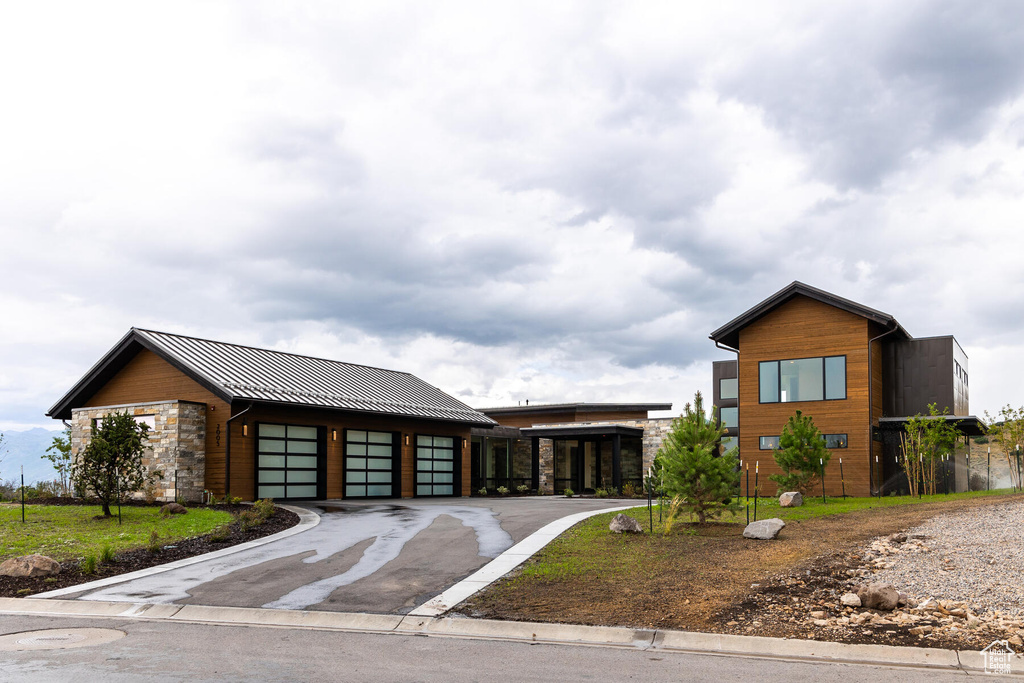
(806,328)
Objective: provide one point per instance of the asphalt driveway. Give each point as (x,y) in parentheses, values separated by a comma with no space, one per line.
(380,557)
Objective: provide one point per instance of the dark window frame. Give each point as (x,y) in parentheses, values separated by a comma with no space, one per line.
(845,438)
(824,380)
(721,393)
(456,449)
(761,446)
(721,421)
(321,458)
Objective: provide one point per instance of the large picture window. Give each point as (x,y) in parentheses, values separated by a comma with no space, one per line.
(802,379)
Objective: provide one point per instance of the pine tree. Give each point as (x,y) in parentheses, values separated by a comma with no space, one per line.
(693,474)
(802,454)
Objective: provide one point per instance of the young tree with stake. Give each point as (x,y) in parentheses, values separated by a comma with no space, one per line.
(110,467)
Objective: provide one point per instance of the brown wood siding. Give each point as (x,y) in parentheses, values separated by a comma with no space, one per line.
(147,378)
(805,328)
(565,417)
(244,448)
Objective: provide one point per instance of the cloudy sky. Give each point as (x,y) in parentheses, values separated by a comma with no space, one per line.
(543,201)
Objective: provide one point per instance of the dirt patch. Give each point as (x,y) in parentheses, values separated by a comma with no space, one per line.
(714,580)
(71,572)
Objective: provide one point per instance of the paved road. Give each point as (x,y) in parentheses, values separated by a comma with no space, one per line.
(169,651)
(372,557)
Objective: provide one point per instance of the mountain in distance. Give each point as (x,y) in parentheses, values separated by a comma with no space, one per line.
(26,448)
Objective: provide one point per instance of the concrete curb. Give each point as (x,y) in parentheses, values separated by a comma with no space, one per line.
(527,632)
(307,520)
(504,563)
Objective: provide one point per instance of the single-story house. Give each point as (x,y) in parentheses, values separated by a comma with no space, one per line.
(257,423)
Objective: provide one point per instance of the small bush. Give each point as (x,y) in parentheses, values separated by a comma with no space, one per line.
(249,519)
(154,542)
(601,493)
(220,534)
(483,491)
(88,564)
(629,490)
(503,490)
(106,554)
(264,508)
(235,500)
(569,493)
(523,489)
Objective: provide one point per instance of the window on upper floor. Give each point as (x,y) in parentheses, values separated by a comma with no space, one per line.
(802,379)
(730,417)
(728,388)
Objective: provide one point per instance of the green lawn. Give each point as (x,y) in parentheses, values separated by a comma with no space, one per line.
(575,552)
(813,507)
(66,532)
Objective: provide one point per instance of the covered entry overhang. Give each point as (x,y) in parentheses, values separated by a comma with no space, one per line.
(590,456)
(954,472)
(967,425)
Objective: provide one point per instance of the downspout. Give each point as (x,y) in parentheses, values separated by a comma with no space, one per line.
(871,405)
(227,452)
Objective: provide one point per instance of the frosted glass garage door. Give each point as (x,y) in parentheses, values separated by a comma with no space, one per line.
(369,464)
(286,461)
(435,465)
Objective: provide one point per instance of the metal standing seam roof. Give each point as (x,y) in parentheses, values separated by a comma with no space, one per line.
(247,373)
(728,334)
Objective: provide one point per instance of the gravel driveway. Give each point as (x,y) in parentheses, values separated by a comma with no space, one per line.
(974,556)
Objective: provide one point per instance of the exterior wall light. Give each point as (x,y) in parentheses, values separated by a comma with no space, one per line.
(334,435)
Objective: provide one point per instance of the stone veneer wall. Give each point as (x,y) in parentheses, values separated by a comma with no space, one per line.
(177,443)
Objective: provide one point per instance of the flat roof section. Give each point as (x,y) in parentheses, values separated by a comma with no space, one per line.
(968,425)
(583,407)
(571,431)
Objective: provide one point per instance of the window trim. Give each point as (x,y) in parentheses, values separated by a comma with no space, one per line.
(721,420)
(846,441)
(824,380)
(721,394)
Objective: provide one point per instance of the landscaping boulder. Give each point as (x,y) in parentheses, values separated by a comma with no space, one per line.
(792,499)
(850,600)
(30,565)
(764,529)
(880,596)
(623,523)
(173,509)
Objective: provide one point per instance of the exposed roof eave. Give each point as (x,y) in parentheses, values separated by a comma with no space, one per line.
(728,334)
(113,361)
(968,425)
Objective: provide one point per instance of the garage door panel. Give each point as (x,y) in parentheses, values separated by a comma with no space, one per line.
(292,466)
(435,465)
(370,459)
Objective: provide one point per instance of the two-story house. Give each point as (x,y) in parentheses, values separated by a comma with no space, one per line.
(853,369)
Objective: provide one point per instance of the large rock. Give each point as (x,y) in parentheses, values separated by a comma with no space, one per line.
(850,600)
(173,509)
(880,596)
(792,499)
(764,529)
(31,566)
(623,523)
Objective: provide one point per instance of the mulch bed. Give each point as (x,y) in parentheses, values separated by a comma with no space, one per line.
(141,558)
